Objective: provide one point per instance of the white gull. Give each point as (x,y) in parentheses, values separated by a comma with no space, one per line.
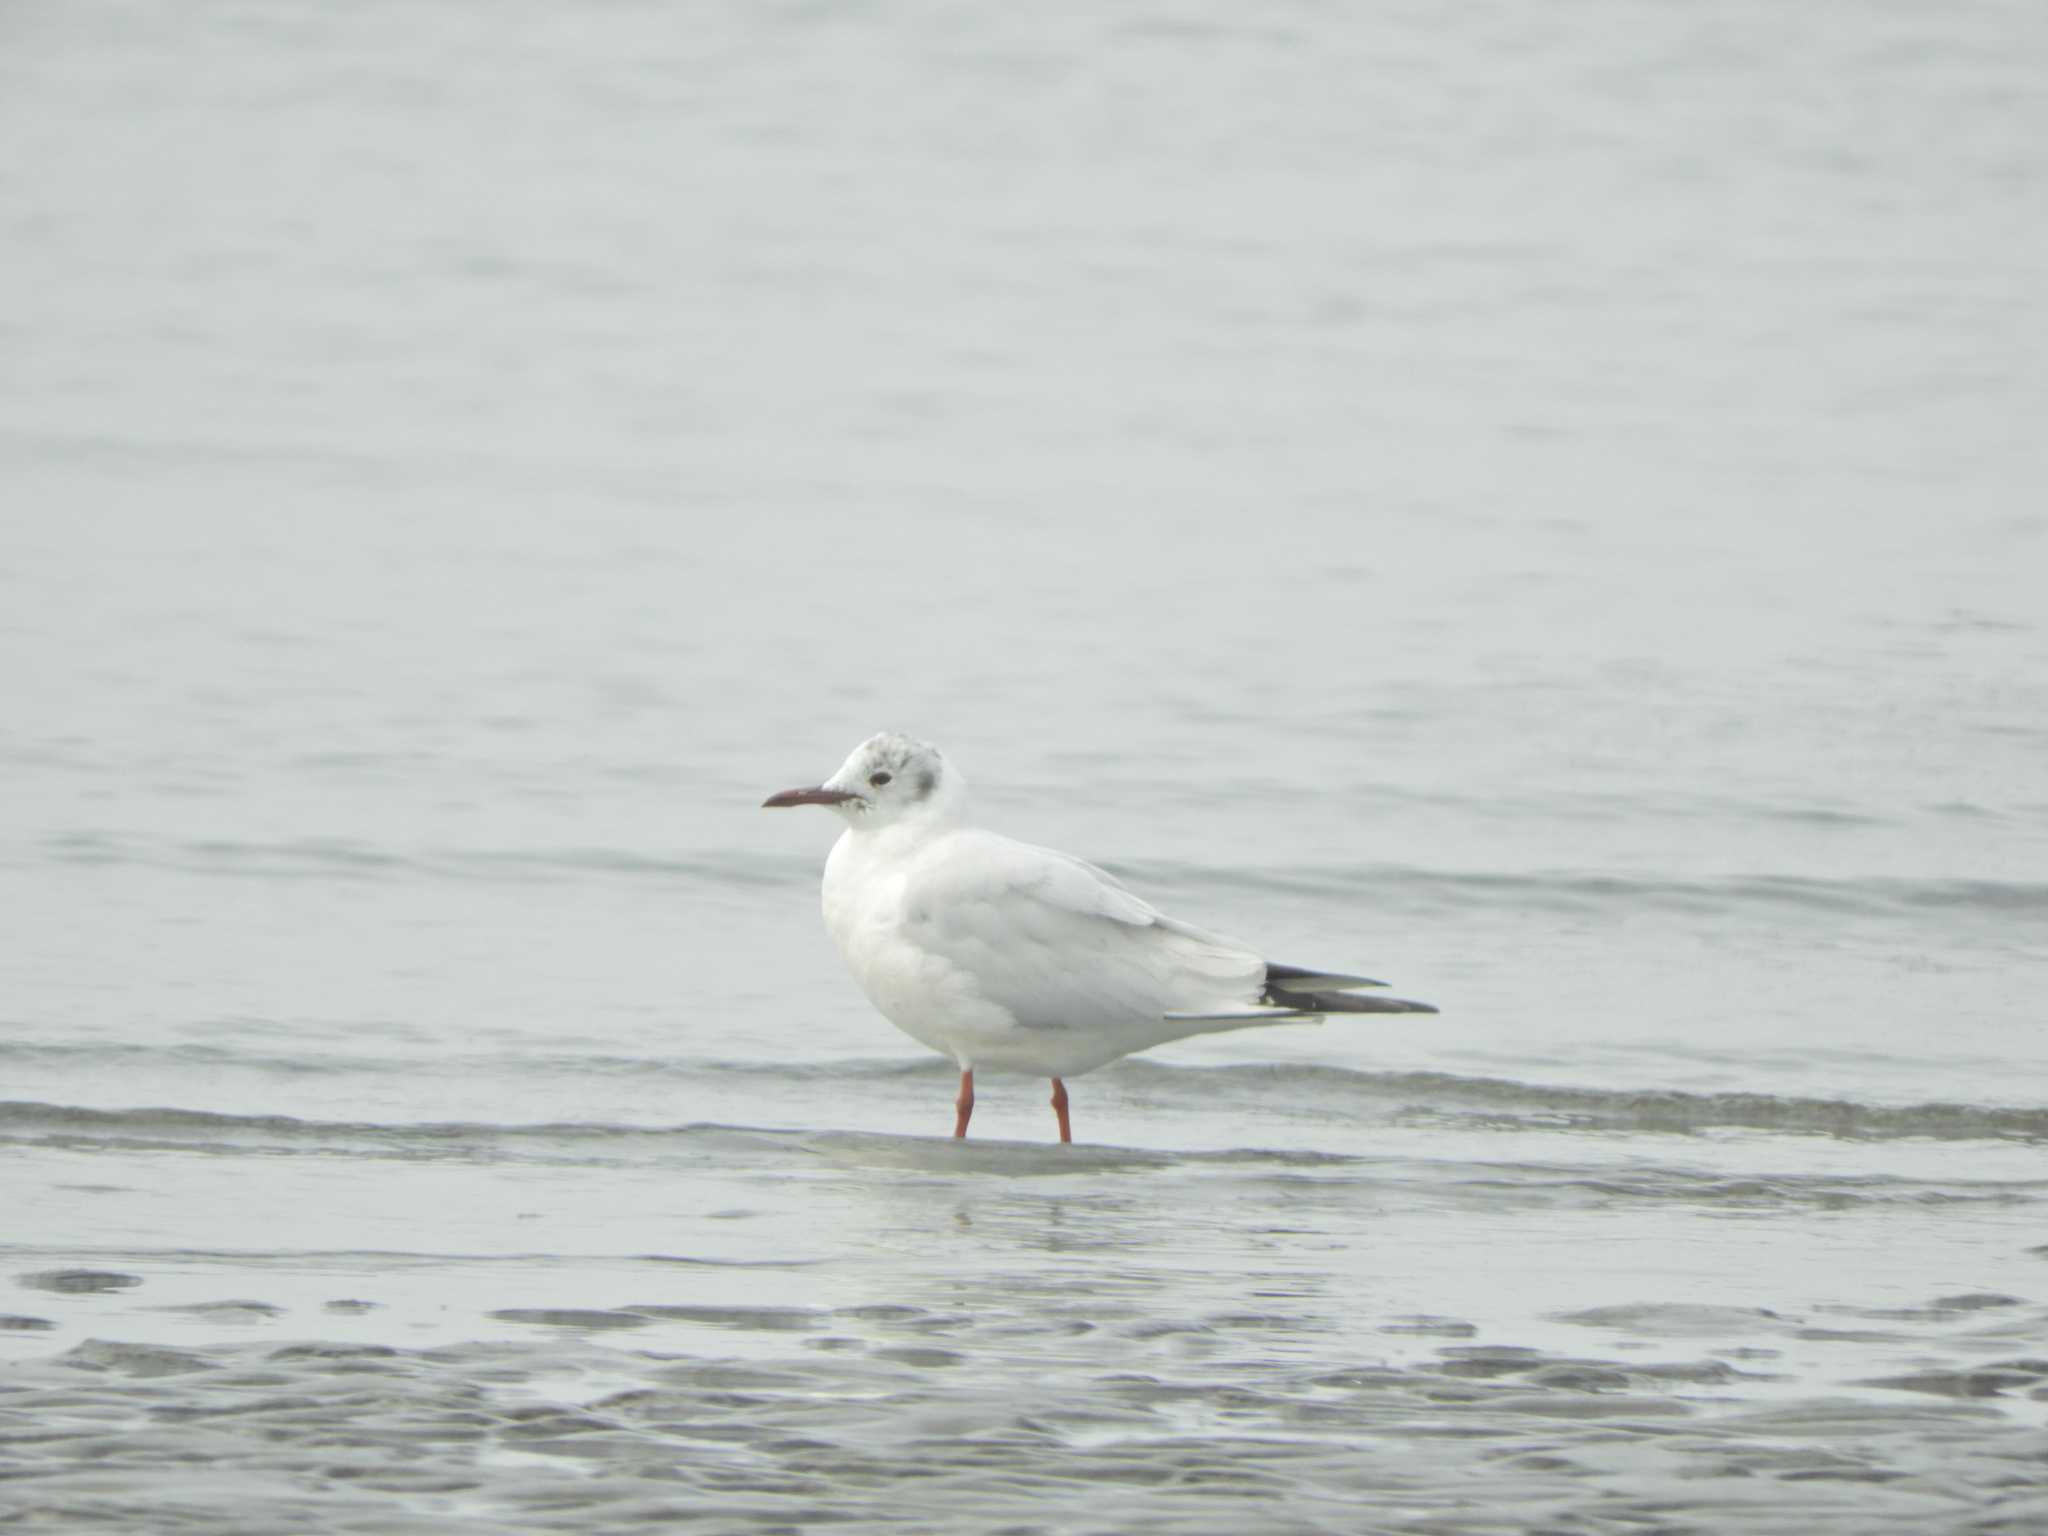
(1011,957)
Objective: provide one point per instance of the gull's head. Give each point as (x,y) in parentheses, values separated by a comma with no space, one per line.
(887,779)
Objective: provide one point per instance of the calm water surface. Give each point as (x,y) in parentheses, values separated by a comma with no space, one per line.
(1545,509)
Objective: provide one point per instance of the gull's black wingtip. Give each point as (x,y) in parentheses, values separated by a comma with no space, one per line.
(1291,986)
(1295,978)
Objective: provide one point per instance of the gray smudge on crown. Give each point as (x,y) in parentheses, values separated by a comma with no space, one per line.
(900,755)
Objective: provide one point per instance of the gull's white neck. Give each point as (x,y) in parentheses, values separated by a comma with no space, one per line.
(943,812)
(867,849)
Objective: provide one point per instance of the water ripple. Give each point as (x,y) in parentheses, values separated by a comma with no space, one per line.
(1366,885)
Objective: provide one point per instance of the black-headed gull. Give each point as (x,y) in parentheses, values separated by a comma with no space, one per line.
(1017,958)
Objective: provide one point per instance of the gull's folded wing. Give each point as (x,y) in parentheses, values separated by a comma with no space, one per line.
(1059,943)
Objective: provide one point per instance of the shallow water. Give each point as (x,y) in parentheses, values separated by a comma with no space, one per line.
(1547,511)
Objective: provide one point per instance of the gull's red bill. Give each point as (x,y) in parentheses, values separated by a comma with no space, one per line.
(816,795)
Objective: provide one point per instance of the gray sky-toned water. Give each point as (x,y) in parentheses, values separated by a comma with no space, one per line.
(1543,508)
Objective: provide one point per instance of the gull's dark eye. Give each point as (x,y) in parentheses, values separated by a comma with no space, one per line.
(878,779)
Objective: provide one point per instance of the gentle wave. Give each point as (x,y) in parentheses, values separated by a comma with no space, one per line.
(341,858)
(27,1117)
(108,1056)
(1457,1181)
(1376,886)
(1350,1094)
(1518,1105)
(209,1132)
(1583,891)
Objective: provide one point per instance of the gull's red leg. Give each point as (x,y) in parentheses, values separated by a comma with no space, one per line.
(964,1105)
(1059,1107)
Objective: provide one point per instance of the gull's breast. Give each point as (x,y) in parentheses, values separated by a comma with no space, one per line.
(926,995)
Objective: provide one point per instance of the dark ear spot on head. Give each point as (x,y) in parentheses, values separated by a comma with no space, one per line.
(926,782)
